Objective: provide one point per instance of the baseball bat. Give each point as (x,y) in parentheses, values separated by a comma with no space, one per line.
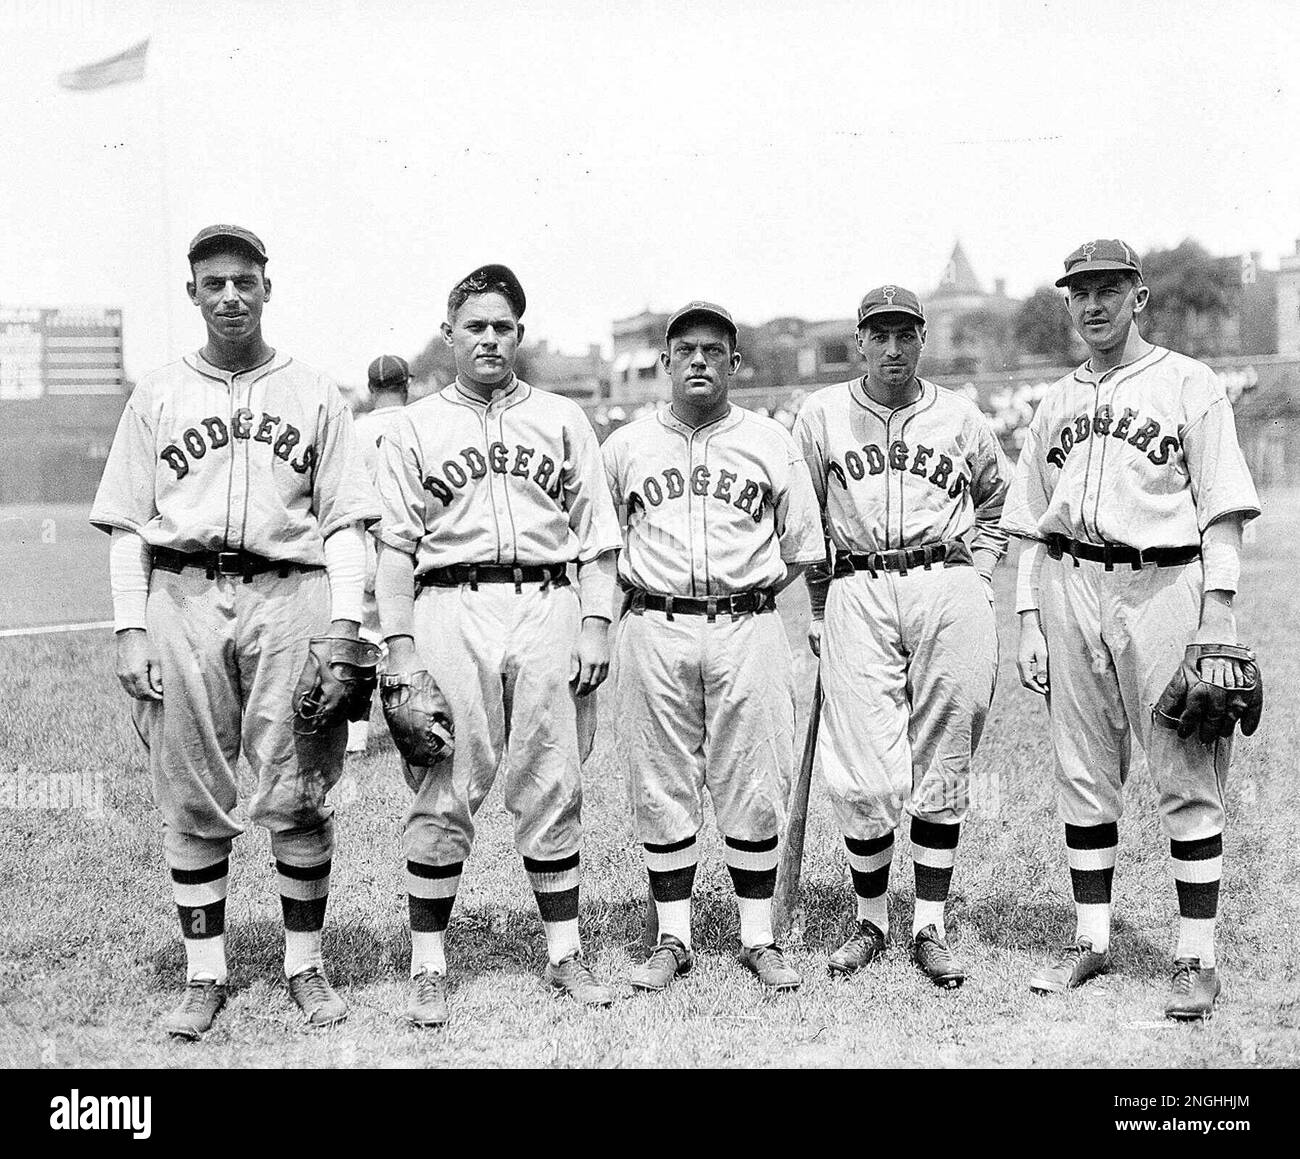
(791,864)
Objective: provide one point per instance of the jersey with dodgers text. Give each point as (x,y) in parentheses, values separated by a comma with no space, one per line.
(516,480)
(714,510)
(1145,454)
(263,460)
(929,471)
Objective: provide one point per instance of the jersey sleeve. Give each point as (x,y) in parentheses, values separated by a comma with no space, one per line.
(341,491)
(125,498)
(1028,496)
(807,437)
(587,496)
(611,457)
(1216,469)
(401,493)
(796,512)
(989,482)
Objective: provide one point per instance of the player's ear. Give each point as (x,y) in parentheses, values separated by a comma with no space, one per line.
(920,333)
(193,291)
(1140,297)
(664,360)
(858,338)
(735,361)
(519,333)
(446,332)
(266,288)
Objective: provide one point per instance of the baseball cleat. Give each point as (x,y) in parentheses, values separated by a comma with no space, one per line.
(1192,990)
(1071,967)
(767,963)
(866,945)
(428,1002)
(198,1006)
(316,998)
(668,959)
(574,977)
(936,960)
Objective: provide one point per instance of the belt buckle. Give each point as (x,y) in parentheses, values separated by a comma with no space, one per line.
(473,577)
(228,563)
(518,573)
(668,607)
(1108,556)
(711,608)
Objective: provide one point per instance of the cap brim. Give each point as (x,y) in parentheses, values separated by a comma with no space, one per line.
(1099,266)
(877,311)
(700,312)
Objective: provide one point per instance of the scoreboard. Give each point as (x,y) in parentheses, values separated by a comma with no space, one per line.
(60,351)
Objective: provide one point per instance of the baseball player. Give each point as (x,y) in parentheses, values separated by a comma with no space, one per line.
(720,517)
(489,490)
(236,498)
(1131,493)
(388,380)
(911,482)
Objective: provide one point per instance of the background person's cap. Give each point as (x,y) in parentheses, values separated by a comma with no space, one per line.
(1103,254)
(890,299)
(389,372)
(205,238)
(710,310)
(480,279)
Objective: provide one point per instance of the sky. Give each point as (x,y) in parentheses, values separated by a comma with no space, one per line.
(779,158)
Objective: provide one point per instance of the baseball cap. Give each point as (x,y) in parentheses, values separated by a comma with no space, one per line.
(1103,254)
(236,233)
(890,299)
(700,309)
(480,279)
(388,371)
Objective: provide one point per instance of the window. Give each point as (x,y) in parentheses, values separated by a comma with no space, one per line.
(835,354)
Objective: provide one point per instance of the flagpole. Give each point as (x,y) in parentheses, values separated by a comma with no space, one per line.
(164,200)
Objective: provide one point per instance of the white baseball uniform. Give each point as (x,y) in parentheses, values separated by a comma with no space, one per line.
(263,461)
(908,659)
(708,702)
(1145,455)
(515,481)
(371,428)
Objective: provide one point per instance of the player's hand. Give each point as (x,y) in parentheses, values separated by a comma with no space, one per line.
(137,665)
(815,637)
(590,662)
(1219,626)
(402,660)
(1031,659)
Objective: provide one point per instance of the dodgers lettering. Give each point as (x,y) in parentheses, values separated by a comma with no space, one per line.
(215,435)
(1102,423)
(501,461)
(902,458)
(752,499)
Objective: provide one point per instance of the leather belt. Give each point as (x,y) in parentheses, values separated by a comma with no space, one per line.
(740,604)
(948,552)
(241,563)
(1111,554)
(452,576)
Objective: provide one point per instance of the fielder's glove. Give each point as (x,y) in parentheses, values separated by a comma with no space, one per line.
(336,683)
(418,717)
(1192,704)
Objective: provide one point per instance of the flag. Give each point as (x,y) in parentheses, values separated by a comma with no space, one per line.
(127,65)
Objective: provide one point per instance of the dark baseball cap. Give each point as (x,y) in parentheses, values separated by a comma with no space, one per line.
(700,310)
(389,372)
(206,237)
(890,299)
(1106,253)
(481,279)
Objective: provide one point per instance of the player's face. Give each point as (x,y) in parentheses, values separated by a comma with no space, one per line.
(1102,307)
(230,290)
(891,344)
(701,363)
(484,336)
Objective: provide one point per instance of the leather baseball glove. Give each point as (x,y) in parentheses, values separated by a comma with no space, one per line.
(336,683)
(418,717)
(1192,704)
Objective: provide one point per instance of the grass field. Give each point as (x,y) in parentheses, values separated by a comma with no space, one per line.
(91,957)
